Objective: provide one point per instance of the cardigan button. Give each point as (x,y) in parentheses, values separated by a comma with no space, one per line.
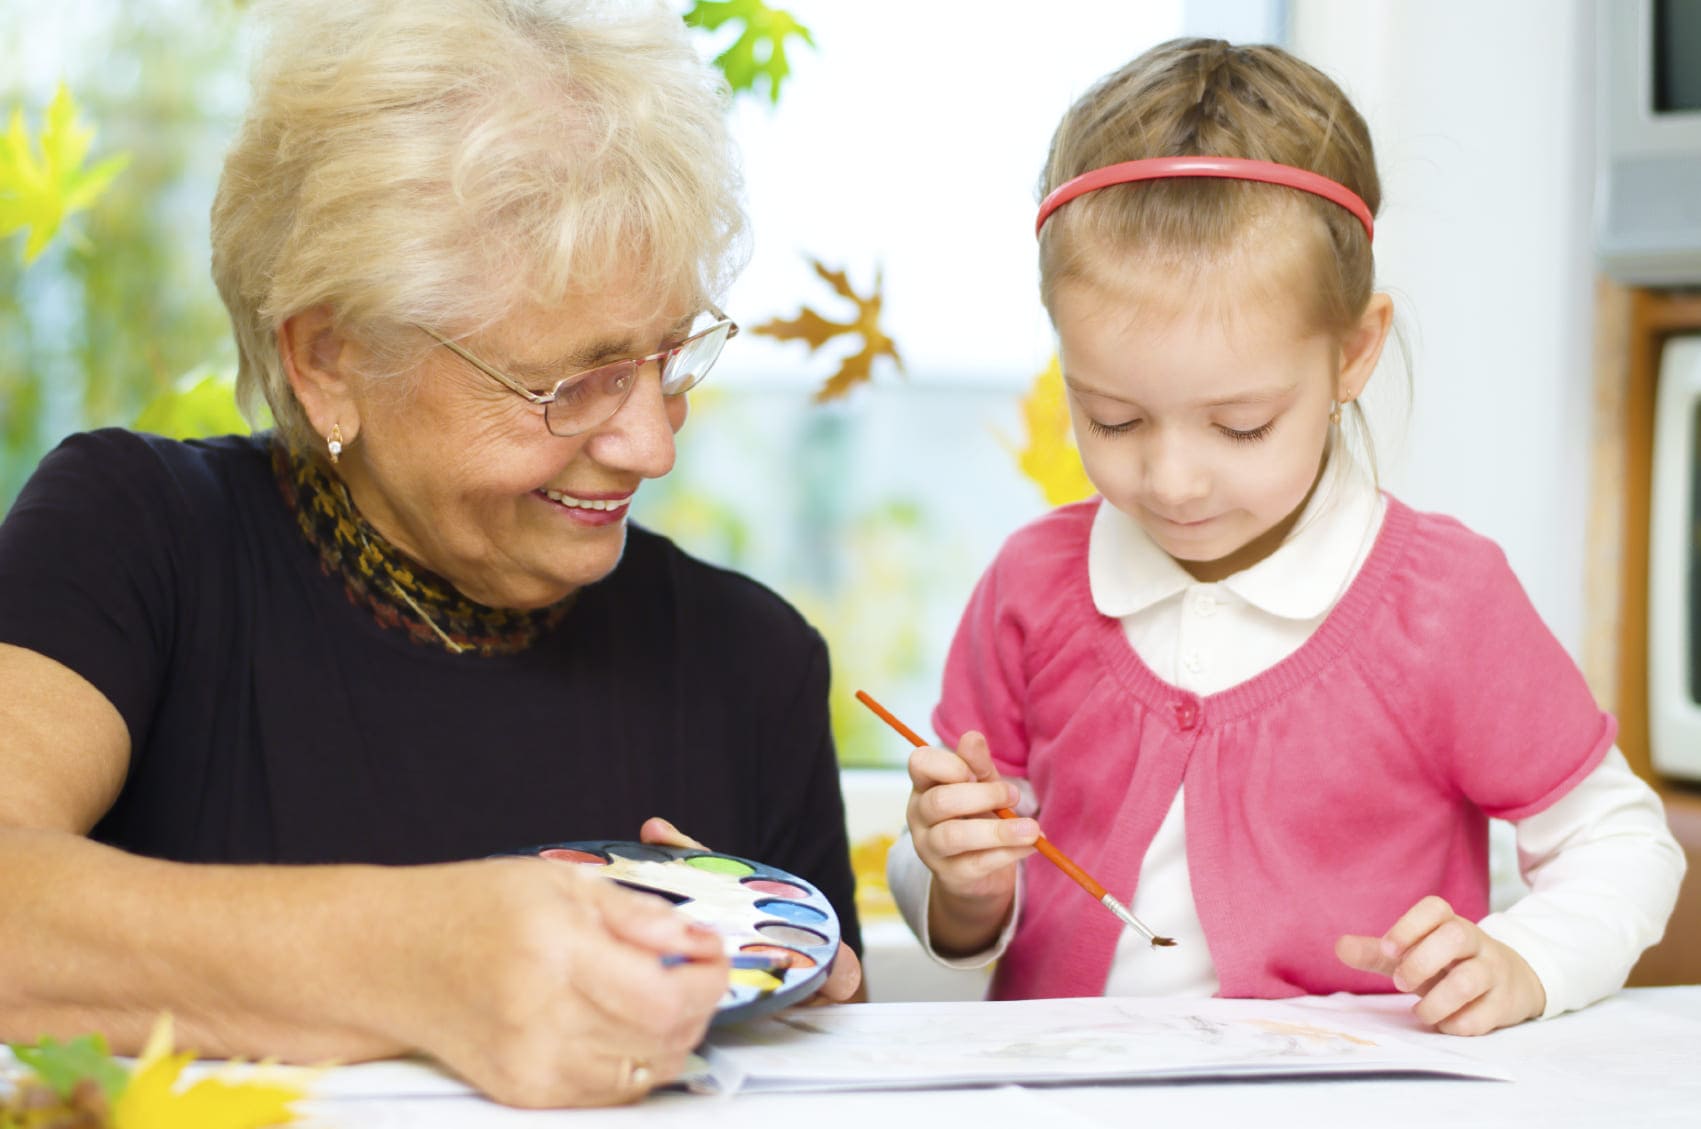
(1186,714)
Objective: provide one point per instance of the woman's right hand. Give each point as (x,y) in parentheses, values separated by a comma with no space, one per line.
(954,797)
(543,985)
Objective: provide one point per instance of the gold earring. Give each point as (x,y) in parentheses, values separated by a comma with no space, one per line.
(1334,414)
(334,442)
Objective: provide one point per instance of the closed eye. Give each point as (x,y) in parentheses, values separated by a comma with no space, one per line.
(1122,428)
(1251,436)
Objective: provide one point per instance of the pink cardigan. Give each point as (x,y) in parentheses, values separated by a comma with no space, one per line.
(1324,796)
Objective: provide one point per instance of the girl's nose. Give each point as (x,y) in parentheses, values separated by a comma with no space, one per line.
(1174,475)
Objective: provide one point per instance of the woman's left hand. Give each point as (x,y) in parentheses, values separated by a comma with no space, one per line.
(1467,983)
(844,981)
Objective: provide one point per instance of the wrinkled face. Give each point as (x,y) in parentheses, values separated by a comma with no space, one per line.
(1205,422)
(461,474)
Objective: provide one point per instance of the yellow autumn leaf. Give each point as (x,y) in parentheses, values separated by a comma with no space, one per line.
(868,865)
(43,181)
(1049,456)
(153,1098)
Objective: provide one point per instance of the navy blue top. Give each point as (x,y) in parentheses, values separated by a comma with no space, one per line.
(272,720)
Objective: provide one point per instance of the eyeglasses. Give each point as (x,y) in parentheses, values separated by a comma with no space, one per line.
(590,398)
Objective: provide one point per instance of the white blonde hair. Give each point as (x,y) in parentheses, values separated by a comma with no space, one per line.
(447,162)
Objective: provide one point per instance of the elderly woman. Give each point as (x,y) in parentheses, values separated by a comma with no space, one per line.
(470,249)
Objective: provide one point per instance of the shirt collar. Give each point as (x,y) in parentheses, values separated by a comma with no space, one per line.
(1302,579)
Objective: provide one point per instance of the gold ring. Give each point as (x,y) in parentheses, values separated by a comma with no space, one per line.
(639,1076)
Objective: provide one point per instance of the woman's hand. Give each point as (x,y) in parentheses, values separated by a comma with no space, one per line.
(1467,982)
(972,853)
(844,979)
(542,985)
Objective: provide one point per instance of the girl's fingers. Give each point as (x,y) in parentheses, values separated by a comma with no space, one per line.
(967,836)
(1447,944)
(930,767)
(1419,922)
(1368,954)
(974,752)
(1386,954)
(967,870)
(962,801)
(1460,987)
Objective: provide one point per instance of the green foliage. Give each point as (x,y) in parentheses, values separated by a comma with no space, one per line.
(94,330)
(61,1066)
(200,404)
(43,181)
(759,52)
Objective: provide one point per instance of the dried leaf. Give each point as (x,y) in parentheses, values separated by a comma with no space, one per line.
(817,330)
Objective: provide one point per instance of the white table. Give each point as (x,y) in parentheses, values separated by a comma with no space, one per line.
(1631,1061)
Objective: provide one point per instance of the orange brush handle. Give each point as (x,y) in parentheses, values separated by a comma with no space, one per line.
(1062,861)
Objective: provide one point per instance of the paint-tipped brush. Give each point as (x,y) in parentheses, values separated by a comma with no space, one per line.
(1062,861)
(760,962)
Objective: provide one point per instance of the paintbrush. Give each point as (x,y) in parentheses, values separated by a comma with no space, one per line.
(1062,861)
(762,962)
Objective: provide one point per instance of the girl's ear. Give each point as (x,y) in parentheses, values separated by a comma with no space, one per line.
(317,358)
(1362,347)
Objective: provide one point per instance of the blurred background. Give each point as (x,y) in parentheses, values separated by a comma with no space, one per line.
(898,153)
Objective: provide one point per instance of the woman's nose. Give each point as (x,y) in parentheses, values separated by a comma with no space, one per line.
(639,437)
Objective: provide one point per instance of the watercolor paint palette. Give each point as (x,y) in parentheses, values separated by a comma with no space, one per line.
(761,911)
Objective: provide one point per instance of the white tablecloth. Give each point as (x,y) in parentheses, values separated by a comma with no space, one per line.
(1631,1061)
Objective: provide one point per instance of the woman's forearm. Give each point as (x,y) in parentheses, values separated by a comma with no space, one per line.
(286,962)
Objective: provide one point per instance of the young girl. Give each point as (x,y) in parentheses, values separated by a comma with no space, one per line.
(1272,704)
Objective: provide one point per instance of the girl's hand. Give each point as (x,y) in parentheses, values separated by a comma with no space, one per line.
(844,979)
(971,851)
(1467,982)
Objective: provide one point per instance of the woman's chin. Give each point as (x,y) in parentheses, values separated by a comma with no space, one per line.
(532,591)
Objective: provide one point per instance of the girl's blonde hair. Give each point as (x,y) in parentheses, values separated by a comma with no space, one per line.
(447,162)
(1205,97)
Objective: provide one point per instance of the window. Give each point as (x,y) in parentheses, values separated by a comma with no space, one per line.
(908,143)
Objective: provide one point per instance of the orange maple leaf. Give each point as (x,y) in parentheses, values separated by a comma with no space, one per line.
(816,330)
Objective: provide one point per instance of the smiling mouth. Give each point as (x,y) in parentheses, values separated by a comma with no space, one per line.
(597,505)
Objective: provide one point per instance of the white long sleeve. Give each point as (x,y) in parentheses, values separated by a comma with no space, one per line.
(1604,871)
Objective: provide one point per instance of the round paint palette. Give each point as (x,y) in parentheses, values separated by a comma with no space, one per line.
(766,916)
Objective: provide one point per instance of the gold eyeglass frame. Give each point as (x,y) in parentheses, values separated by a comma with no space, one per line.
(544,400)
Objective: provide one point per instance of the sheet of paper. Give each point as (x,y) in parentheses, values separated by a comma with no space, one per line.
(925,1045)
(897,1046)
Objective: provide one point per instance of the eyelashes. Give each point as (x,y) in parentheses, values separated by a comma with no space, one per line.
(1233,435)
(1252,436)
(1098,428)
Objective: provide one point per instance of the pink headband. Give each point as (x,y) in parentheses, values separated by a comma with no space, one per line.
(1232,168)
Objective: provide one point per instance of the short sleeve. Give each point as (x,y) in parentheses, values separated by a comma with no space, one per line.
(1515,712)
(87,572)
(984,686)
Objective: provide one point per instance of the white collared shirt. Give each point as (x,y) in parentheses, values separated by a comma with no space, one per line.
(1604,868)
